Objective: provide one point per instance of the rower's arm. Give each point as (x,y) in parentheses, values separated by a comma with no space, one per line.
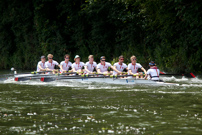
(130,72)
(41,68)
(96,69)
(86,69)
(49,69)
(73,69)
(61,67)
(99,72)
(114,68)
(144,70)
(146,76)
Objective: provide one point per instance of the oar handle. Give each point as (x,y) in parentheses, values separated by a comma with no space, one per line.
(69,73)
(35,72)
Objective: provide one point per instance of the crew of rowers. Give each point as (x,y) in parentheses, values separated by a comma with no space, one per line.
(103,67)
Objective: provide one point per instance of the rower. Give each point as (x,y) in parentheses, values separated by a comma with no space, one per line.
(133,68)
(103,66)
(153,72)
(50,64)
(120,66)
(91,65)
(41,64)
(66,64)
(77,66)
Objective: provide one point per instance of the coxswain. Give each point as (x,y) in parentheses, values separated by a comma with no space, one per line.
(153,72)
(120,66)
(78,66)
(41,64)
(103,66)
(91,65)
(50,64)
(65,65)
(133,68)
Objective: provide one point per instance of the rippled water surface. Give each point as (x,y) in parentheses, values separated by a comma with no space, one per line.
(34,107)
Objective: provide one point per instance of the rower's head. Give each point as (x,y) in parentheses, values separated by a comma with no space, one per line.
(43,59)
(50,57)
(91,58)
(66,57)
(77,58)
(102,60)
(133,59)
(121,59)
(151,64)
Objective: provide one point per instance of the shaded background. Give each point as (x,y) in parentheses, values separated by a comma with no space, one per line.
(167,31)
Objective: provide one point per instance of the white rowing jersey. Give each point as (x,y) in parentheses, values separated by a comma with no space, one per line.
(41,64)
(51,65)
(78,66)
(103,68)
(92,66)
(134,68)
(119,67)
(154,73)
(65,66)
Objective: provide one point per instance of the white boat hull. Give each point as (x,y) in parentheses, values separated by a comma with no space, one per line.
(120,81)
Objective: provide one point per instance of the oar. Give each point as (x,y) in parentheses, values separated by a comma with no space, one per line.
(33,72)
(49,79)
(37,76)
(6,75)
(69,73)
(189,75)
(113,76)
(39,72)
(94,76)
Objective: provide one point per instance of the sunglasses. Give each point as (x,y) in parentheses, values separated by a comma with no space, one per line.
(121,59)
(133,59)
(66,58)
(102,60)
(50,58)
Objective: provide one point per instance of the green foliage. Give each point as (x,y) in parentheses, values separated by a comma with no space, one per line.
(166,31)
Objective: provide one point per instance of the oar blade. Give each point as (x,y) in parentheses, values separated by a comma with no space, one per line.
(47,79)
(22,78)
(190,75)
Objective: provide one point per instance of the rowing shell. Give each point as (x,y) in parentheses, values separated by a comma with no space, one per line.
(120,81)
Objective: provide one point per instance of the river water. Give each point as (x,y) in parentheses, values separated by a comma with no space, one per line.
(34,107)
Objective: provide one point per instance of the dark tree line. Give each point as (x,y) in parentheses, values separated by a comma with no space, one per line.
(166,31)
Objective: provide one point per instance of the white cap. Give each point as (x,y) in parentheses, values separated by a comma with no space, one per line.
(77,56)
